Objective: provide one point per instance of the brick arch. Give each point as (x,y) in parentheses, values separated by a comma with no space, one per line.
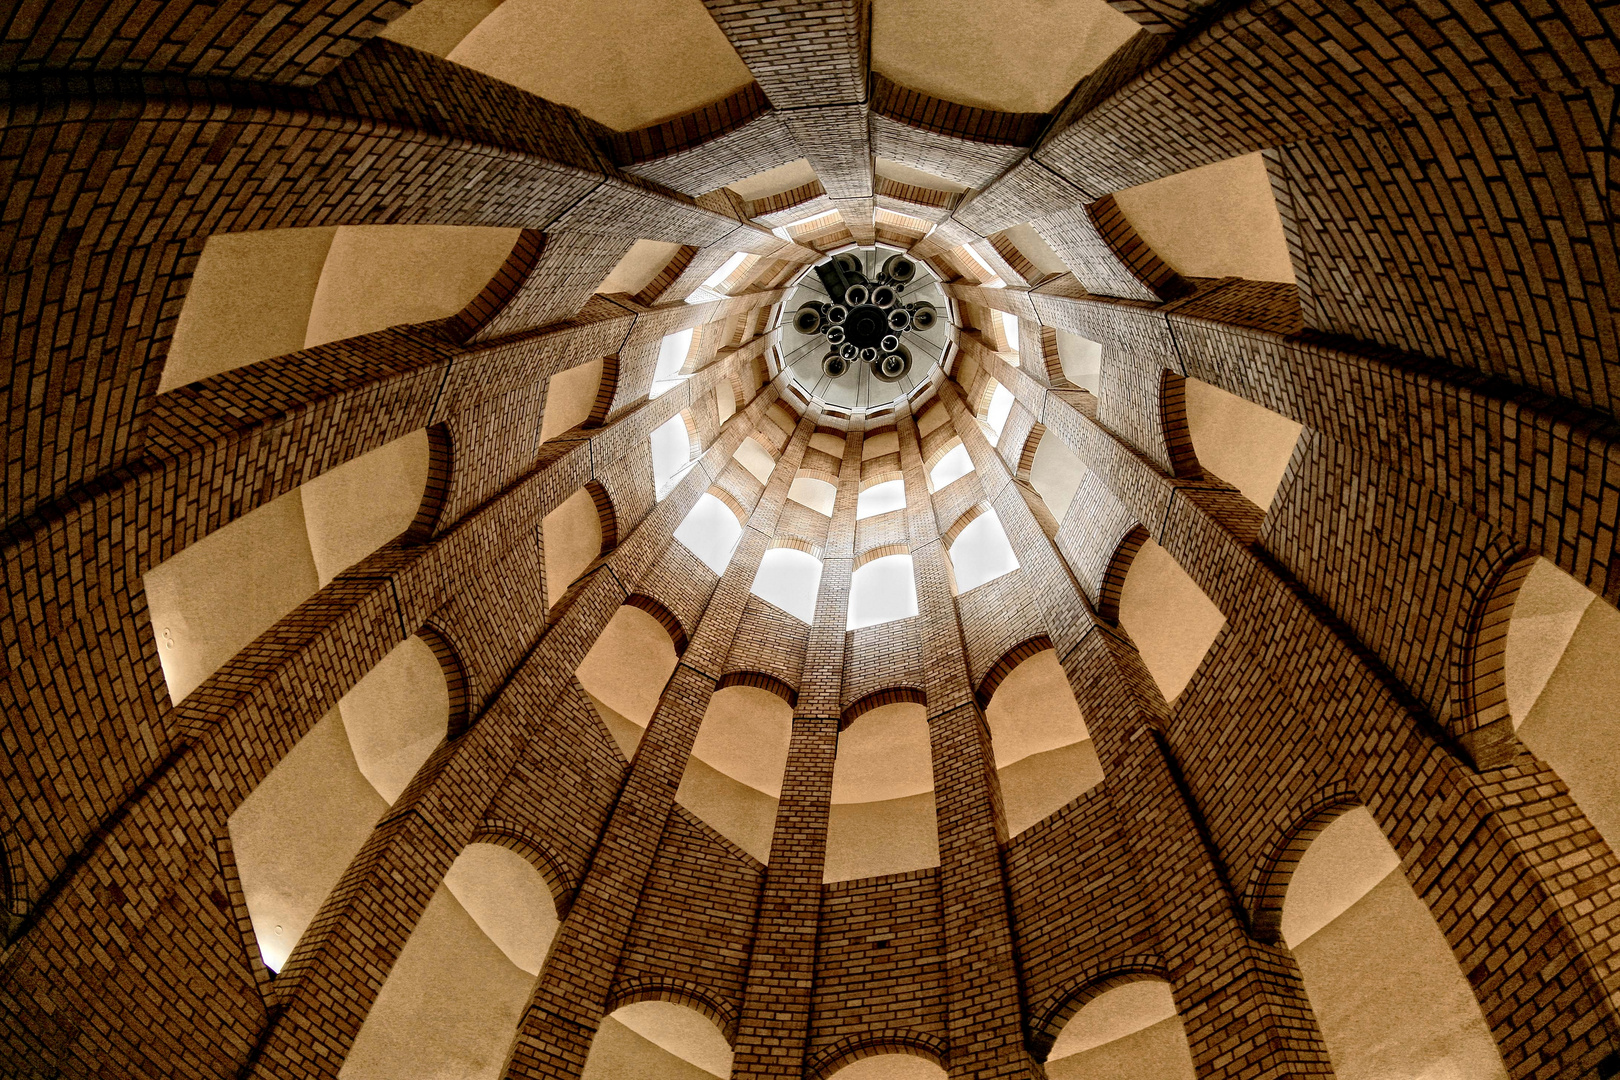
(940,451)
(762,681)
(700,999)
(1010,662)
(605,513)
(799,543)
(11,877)
(436,492)
(1048,1017)
(606,390)
(1268,884)
(538,853)
(1173,425)
(507,282)
(1112,582)
(1133,252)
(455,678)
(853,1048)
(969,515)
(665,617)
(1478,717)
(879,476)
(882,550)
(731,502)
(878,698)
(1026,455)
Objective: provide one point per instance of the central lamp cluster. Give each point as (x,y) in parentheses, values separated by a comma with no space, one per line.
(865,321)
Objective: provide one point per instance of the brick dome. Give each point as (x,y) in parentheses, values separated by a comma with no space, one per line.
(449,635)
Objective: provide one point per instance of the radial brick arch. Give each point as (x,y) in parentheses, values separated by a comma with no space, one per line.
(1384,984)
(294,835)
(453,999)
(672,1032)
(891,1056)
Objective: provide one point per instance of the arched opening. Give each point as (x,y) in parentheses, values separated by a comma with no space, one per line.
(453,1000)
(890,1067)
(1216,221)
(759,461)
(980,553)
(673,352)
(658,1040)
(882,817)
(1044,755)
(646,63)
(570,399)
(818,495)
(999,403)
(572,537)
(1563,688)
(1168,616)
(1081,360)
(1009,332)
(645,260)
(625,673)
(733,778)
(1245,444)
(1130,1031)
(881,498)
(1385,986)
(211,599)
(882,590)
(1055,473)
(257,295)
(932,418)
(790,579)
(951,467)
(711,531)
(299,829)
(672,453)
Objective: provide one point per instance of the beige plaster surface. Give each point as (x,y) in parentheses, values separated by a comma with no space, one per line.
(868,839)
(1574,725)
(1015,55)
(884,754)
(396,716)
(626,735)
(450,1007)
(572,537)
(1081,360)
(509,900)
(931,419)
(1345,862)
(755,458)
(828,444)
(437,26)
(686,1033)
(642,263)
(356,508)
(1546,614)
(624,63)
(742,814)
(249,300)
(725,402)
(298,831)
(745,735)
(891,1067)
(774,181)
(1245,444)
(619,1053)
(783,418)
(1055,474)
(901,173)
(1156,1052)
(377,276)
(570,397)
(887,442)
(1389,995)
(218,594)
(1113,1014)
(818,495)
(1032,247)
(1033,710)
(1213,221)
(1035,787)
(629,664)
(1171,620)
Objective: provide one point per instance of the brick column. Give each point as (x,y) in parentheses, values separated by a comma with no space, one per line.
(985,1011)
(554,1037)
(775,1023)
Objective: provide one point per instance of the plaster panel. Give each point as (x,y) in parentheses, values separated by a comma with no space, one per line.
(1169,618)
(1245,444)
(356,508)
(629,664)
(396,716)
(1214,221)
